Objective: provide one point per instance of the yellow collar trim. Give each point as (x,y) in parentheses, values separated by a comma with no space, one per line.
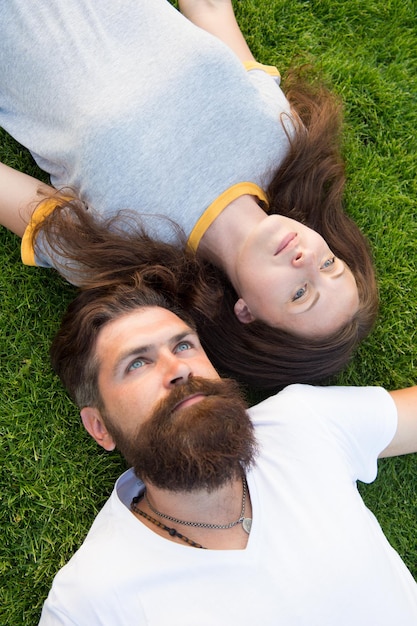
(218,206)
(269,69)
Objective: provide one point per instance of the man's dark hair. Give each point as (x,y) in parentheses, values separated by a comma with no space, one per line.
(73,349)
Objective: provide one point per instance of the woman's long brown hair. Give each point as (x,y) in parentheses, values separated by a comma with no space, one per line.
(308,186)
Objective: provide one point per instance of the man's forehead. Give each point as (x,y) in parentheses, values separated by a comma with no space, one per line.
(147,323)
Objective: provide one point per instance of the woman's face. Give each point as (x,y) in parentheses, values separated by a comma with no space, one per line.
(287,276)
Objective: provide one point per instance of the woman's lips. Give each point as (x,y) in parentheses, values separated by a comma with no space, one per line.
(285,242)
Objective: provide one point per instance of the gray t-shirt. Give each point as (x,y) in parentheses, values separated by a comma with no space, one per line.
(134,107)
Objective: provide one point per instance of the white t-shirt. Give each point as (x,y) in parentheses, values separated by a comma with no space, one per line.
(316,556)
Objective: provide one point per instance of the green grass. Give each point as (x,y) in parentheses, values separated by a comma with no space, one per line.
(53,477)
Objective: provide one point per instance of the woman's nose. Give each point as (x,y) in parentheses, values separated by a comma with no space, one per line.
(303,258)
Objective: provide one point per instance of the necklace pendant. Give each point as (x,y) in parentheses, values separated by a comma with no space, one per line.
(247,524)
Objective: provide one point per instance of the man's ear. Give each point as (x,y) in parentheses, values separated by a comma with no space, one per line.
(242,312)
(93,423)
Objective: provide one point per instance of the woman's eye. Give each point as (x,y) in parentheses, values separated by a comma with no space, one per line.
(184,345)
(299,293)
(328,263)
(136,364)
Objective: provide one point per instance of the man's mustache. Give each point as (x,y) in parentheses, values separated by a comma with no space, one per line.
(195,386)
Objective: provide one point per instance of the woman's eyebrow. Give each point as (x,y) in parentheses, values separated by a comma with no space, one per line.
(339,273)
(312,303)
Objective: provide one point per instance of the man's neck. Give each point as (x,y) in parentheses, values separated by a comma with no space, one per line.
(224,238)
(222,506)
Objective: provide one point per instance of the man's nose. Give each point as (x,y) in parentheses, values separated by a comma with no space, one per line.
(175,371)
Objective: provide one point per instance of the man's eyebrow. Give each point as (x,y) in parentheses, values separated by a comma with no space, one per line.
(145,349)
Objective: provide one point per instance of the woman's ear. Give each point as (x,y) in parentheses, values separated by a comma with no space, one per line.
(242,312)
(93,423)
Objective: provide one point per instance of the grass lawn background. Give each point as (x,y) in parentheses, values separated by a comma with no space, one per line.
(53,477)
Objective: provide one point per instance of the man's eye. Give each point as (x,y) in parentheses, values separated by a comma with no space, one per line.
(299,293)
(184,345)
(136,364)
(328,263)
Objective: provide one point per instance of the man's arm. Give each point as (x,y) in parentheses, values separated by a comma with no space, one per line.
(405,438)
(218,18)
(19,194)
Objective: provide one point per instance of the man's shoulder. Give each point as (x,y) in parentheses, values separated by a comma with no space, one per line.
(349,424)
(104,555)
(109,533)
(296,393)
(300,401)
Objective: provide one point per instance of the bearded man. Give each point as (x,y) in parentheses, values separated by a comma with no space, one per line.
(228,515)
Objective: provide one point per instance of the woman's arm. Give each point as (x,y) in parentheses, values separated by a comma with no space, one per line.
(405,438)
(19,194)
(218,18)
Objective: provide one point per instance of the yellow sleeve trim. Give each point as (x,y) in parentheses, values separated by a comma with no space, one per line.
(269,69)
(217,207)
(27,250)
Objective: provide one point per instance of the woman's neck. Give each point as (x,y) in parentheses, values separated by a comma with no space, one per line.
(222,241)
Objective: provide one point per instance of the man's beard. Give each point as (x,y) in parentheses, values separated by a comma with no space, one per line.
(201,446)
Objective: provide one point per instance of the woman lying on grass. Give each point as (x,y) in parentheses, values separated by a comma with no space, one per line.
(133,106)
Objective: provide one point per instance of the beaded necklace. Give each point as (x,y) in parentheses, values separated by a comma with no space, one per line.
(171,531)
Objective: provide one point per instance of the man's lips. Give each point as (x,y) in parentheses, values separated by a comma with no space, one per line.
(196,397)
(285,242)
